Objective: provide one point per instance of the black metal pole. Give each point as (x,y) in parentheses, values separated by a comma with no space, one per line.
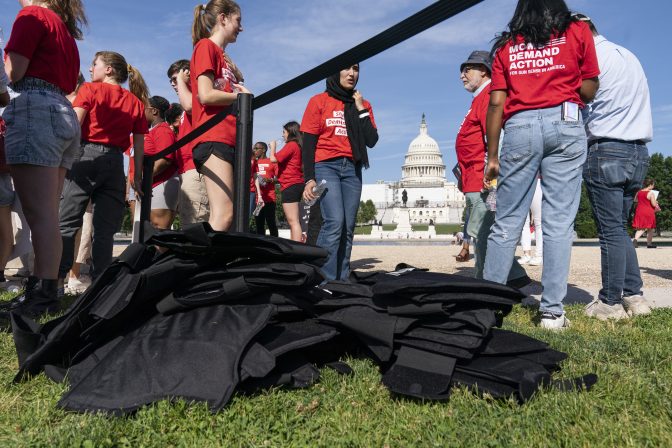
(241,170)
(146,201)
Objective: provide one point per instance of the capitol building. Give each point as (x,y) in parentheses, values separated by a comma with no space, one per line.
(428,194)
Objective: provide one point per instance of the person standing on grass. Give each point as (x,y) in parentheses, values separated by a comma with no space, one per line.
(108,114)
(193,202)
(544,71)
(290,176)
(42,139)
(645,214)
(526,235)
(337,126)
(265,175)
(618,123)
(213,77)
(165,183)
(470,147)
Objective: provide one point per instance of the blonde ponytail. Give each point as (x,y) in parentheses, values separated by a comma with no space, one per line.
(137,85)
(123,71)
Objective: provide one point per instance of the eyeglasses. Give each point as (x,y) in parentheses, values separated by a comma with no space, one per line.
(259,147)
(173,80)
(467,68)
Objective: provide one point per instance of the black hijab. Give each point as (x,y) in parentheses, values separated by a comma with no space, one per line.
(352,122)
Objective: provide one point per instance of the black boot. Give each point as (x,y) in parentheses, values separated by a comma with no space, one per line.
(42,299)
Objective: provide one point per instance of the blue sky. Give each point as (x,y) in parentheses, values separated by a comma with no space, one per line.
(282,39)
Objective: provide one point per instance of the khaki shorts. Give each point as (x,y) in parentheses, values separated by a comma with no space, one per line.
(193,201)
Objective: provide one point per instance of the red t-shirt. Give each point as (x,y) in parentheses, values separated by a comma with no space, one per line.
(470,144)
(253,170)
(325,118)
(185,159)
(209,58)
(159,138)
(267,171)
(538,78)
(40,35)
(131,160)
(113,113)
(290,170)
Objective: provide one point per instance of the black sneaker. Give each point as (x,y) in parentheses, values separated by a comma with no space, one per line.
(651,246)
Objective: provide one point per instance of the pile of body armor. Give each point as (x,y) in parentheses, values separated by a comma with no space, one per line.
(199,315)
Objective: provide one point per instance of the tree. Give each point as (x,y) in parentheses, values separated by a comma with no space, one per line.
(584,224)
(366,212)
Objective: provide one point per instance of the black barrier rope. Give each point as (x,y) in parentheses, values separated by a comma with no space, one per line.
(416,24)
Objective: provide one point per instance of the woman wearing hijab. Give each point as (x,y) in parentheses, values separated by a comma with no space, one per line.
(337,126)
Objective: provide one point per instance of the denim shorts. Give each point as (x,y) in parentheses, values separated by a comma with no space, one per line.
(6,190)
(42,129)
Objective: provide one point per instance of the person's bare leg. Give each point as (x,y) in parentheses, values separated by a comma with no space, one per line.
(40,202)
(292,214)
(649,236)
(161,218)
(74,270)
(219,186)
(639,233)
(6,236)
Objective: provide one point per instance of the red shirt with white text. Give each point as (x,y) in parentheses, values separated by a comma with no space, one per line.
(324,117)
(539,78)
(267,172)
(209,58)
(470,143)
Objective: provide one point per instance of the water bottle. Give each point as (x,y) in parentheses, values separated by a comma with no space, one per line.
(258,208)
(491,200)
(220,84)
(317,191)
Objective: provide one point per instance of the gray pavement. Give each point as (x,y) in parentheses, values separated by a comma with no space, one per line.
(657,296)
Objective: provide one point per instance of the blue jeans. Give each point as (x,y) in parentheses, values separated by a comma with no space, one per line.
(480,226)
(339,205)
(614,174)
(538,140)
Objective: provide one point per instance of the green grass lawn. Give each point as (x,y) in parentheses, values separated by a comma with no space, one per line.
(363,230)
(631,405)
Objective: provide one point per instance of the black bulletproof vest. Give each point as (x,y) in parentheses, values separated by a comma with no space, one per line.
(216,313)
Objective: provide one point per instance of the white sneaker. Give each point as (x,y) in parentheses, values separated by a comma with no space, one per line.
(602,311)
(10,287)
(636,305)
(76,286)
(536,261)
(524,259)
(554,322)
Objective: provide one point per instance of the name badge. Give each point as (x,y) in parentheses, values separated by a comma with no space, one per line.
(570,111)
